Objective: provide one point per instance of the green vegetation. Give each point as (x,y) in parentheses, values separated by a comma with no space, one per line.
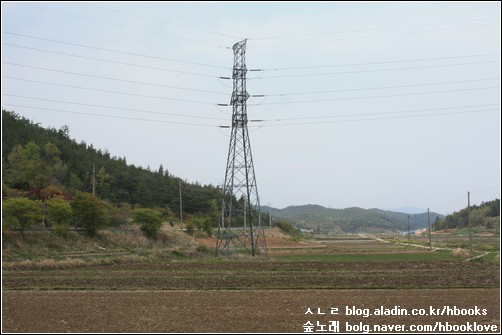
(40,163)
(20,213)
(487,215)
(287,228)
(59,215)
(49,184)
(149,221)
(89,213)
(351,220)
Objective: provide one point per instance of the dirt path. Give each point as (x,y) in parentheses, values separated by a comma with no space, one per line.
(228,311)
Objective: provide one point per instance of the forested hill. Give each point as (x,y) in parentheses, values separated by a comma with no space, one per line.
(352,219)
(487,214)
(35,159)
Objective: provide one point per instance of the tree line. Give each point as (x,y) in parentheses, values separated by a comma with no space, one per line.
(55,180)
(487,214)
(35,158)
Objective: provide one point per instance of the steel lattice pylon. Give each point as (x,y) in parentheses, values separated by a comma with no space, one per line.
(240,225)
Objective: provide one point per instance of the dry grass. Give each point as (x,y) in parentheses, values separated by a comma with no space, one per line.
(70,263)
(46,250)
(462,253)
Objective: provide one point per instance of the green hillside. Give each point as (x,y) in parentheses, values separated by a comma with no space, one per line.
(487,215)
(353,219)
(36,159)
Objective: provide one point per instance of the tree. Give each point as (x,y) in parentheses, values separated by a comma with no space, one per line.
(59,214)
(28,169)
(102,180)
(203,223)
(74,184)
(21,212)
(89,212)
(149,220)
(24,167)
(54,166)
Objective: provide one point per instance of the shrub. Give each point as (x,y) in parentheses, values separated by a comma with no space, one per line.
(59,215)
(459,252)
(89,212)
(148,219)
(21,212)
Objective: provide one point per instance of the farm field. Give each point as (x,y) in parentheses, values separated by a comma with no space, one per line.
(249,311)
(244,294)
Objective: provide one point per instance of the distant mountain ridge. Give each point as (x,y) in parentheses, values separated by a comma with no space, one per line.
(407,210)
(352,219)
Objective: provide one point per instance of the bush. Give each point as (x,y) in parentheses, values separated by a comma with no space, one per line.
(202,249)
(89,212)
(148,219)
(462,253)
(287,228)
(59,215)
(21,213)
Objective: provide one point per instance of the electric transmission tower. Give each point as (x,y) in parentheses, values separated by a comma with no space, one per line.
(240,225)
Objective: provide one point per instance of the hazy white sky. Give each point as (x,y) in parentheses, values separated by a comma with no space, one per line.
(366,104)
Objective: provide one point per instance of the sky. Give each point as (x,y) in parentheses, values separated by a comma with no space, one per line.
(354,104)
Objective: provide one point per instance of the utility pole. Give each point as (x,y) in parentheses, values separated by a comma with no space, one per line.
(181,203)
(469,220)
(240,202)
(408,230)
(429,220)
(269,216)
(93,179)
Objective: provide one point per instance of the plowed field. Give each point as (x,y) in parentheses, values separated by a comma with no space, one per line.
(271,294)
(238,275)
(228,311)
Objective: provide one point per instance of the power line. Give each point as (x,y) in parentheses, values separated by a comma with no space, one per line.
(261,104)
(114,79)
(111,116)
(369,37)
(375,88)
(108,91)
(261,95)
(124,26)
(115,51)
(265,125)
(260,77)
(377,63)
(376,70)
(270,69)
(370,29)
(113,62)
(375,96)
(382,118)
(381,113)
(112,107)
(160,21)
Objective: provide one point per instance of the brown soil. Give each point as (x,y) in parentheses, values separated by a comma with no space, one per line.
(228,311)
(259,275)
